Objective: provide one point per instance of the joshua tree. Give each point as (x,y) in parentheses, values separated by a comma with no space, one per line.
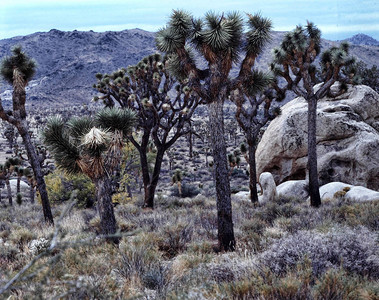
(164,107)
(19,170)
(293,61)
(10,135)
(32,183)
(4,175)
(177,179)
(93,147)
(6,171)
(18,70)
(220,40)
(251,117)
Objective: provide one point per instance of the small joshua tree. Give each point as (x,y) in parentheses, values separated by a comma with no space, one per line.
(254,112)
(18,70)
(220,41)
(293,61)
(32,183)
(93,147)
(177,179)
(164,107)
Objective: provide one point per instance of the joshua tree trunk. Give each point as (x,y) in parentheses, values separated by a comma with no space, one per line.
(189,137)
(314,191)
(36,167)
(9,191)
(31,194)
(252,170)
(151,186)
(224,205)
(18,187)
(105,207)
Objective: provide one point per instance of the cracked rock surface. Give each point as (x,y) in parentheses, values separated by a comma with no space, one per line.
(347,140)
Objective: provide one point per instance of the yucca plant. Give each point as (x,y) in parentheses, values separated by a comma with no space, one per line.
(18,69)
(5,175)
(164,106)
(32,183)
(6,170)
(220,40)
(92,147)
(294,61)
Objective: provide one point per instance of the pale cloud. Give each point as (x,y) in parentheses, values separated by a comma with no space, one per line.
(333,17)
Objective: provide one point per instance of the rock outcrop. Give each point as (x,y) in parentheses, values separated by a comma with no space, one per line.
(296,189)
(347,140)
(348,192)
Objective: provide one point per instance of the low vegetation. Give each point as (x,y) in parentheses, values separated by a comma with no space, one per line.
(286,250)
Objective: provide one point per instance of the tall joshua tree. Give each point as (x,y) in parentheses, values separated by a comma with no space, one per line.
(293,61)
(220,40)
(164,107)
(93,147)
(18,69)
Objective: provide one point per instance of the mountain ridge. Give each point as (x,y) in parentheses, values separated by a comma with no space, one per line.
(67,61)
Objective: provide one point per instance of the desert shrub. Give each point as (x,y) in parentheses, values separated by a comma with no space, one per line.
(175,238)
(59,187)
(356,214)
(255,225)
(120,198)
(336,284)
(21,236)
(8,253)
(207,221)
(139,260)
(202,247)
(289,287)
(273,210)
(188,191)
(354,249)
(156,277)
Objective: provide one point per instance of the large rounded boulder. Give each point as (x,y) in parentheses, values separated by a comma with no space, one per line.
(347,140)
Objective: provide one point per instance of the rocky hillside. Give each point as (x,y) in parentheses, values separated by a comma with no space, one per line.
(68,61)
(363,39)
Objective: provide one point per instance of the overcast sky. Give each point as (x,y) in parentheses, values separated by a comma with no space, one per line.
(337,19)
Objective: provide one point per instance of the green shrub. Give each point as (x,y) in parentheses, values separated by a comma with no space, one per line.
(59,186)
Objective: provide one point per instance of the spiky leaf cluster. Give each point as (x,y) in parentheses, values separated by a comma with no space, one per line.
(18,60)
(301,44)
(114,119)
(65,151)
(294,59)
(259,34)
(78,146)
(217,35)
(258,82)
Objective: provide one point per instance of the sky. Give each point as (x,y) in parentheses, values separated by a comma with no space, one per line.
(337,19)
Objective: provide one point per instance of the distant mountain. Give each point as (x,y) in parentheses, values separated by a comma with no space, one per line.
(363,39)
(68,61)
